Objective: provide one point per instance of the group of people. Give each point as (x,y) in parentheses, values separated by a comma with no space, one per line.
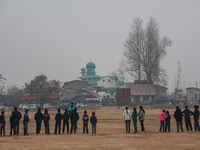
(179,115)
(69,114)
(127,118)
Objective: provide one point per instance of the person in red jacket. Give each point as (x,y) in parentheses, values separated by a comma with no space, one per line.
(163,116)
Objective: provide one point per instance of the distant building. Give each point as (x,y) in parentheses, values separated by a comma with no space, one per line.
(75,85)
(161,93)
(193,96)
(142,93)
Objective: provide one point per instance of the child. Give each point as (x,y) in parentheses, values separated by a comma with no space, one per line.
(66,121)
(58,119)
(127,119)
(93,121)
(2,123)
(85,122)
(46,118)
(196,118)
(25,122)
(134,116)
(162,120)
(167,123)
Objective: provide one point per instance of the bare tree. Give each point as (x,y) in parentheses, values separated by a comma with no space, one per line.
(41,88)
(178,77)
(145,49)
(2,86)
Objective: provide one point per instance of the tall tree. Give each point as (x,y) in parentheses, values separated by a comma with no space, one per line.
(145,50)
(41,88)
(2,86)
(16,92)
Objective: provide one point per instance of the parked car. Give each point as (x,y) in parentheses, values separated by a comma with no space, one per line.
(32,106)
(62,106)
(23,106)
(48,106)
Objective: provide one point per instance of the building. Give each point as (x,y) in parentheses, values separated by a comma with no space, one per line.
(142,93)
(75,85)
(161,93)
(193,96)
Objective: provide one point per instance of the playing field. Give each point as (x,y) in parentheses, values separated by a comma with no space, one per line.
(110,134)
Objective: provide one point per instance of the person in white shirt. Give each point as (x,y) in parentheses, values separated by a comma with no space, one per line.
(127,119)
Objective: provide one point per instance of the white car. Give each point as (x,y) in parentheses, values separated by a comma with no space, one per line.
(32,106)
(23,106)
(48,106)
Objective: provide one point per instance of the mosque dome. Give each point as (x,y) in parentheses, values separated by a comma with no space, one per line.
(90,65)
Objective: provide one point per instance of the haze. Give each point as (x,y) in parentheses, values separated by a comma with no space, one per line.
(58,37)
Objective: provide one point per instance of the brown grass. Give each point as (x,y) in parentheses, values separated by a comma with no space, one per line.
(110,134)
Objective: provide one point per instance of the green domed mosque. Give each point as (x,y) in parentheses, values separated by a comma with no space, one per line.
(89,74)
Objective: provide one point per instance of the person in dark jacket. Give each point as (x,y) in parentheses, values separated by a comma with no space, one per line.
(2,124)
(178,115)
(11,124)
(38,118)
(167,122)
(66,121)
(46,118)
(85,122)
(16,117)
(93,121)
(74,117)
(58,119)
(25,122)
(187,113)
(141,118)
(196,118)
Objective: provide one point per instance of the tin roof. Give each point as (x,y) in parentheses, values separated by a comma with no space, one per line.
(141,89)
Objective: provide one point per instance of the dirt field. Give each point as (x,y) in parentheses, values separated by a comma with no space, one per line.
(110,134)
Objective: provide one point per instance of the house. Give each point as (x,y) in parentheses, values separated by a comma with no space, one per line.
(193,96)
(161,93)
(75,85)
(142,93)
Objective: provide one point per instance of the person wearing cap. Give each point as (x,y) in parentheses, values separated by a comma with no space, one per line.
(25,122)
(58,119)
(46,118)
(66,121)
(93,121)
(2,124)
(74,117)
(178,115)
(187,113)
(16,118)
(196,118)
(85,122)
(38,118)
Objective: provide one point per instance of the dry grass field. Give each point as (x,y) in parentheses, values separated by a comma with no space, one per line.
(110,134)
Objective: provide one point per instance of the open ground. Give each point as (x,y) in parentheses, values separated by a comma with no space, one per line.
(110,134)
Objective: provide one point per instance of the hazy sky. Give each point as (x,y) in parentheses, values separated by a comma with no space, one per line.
(58,37)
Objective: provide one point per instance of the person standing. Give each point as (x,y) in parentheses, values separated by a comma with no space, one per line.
(196,118)
(66,121)
(134,116)
(127,119)
(85,122)
(71,108)
(179,117)
(46,118)
(167,122)
(74,117)
(141,118)
(2,124)
(25,122)
(58,119)
(11,124)
(187,113)
(16,118)
(93,121)
(162,120)
(38,118)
